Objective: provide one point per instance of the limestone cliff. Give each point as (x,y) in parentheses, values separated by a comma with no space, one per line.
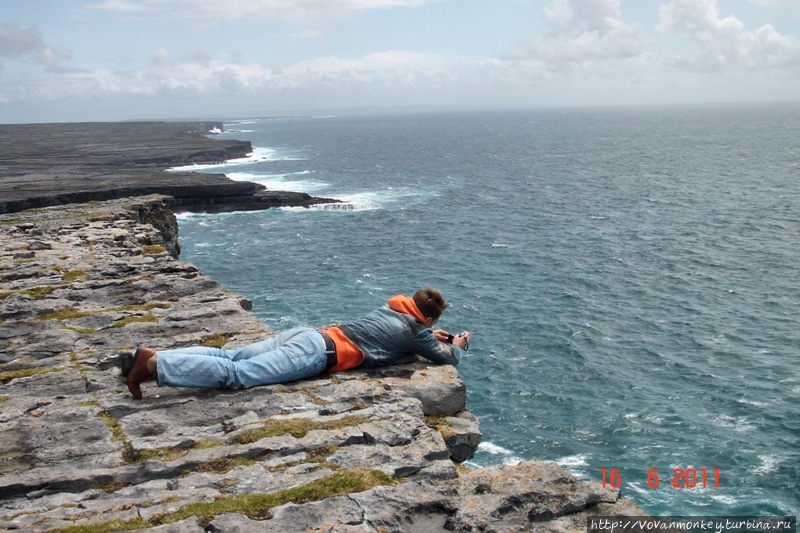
(81,285)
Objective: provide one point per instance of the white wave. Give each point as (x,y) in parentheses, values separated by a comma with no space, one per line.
(654,419)
(282,182)
(381,198)
(724,499)
(344,206)
(754,403)
(573,461)
(769,464)
(638,487)
(258,155)
(185,215)
(739,425)
(366,201)
(493,449)
(509,458)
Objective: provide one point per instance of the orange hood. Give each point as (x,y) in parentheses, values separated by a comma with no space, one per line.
(407,305)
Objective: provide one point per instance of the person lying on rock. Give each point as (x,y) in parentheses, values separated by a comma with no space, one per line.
(392,334)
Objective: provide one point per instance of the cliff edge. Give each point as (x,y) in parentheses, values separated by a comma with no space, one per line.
(83,284)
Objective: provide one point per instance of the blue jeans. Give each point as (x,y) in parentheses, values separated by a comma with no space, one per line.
(289,356)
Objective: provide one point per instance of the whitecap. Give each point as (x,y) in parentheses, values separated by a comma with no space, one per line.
(769,464)
(739,425)
(281,182)
(258,155)
(372,199)
(638,488)
(493,449)
(754,403)
(345,206)
(654,419)
(573,461)
(724,499)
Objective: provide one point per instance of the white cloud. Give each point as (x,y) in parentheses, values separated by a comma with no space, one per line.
(160,57)
(213,11)
(200,76)
(725,43)
(16,43)
(583,33)
(790,5)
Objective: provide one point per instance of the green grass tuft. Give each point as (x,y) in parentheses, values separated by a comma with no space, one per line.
(217,340)
(63,313)
(153,249)
(74,275)
(5,377)
(254,506)
(149,317)
(297,427)
(40,292)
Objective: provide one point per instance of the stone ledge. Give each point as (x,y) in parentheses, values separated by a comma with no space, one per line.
(81,285)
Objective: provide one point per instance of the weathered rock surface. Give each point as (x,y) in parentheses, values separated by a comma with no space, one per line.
(82,285)
(55,164)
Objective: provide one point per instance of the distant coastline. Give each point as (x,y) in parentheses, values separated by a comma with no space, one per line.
(57,164)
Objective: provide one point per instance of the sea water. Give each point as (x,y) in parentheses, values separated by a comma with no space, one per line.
(629,276)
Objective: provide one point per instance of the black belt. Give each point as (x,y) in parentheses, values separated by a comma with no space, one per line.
(330,352)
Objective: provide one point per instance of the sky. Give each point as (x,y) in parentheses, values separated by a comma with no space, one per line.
(90,60)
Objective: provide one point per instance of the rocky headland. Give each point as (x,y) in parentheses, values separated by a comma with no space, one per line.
(55,164)
(82,284)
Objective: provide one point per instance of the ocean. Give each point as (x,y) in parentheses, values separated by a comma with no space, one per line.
(629,276)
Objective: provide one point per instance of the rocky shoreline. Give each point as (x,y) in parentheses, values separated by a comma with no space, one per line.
(55,164)
(82,284)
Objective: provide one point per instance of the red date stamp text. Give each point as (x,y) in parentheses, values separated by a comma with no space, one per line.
(681,478)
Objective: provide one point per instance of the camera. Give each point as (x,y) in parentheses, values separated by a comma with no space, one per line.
(450,338)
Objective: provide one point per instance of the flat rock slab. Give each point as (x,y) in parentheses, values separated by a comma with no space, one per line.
(82,285)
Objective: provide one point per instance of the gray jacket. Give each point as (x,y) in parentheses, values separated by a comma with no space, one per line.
(388,337)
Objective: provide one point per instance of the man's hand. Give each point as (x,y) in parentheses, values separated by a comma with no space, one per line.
(441,335)
(461,340)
